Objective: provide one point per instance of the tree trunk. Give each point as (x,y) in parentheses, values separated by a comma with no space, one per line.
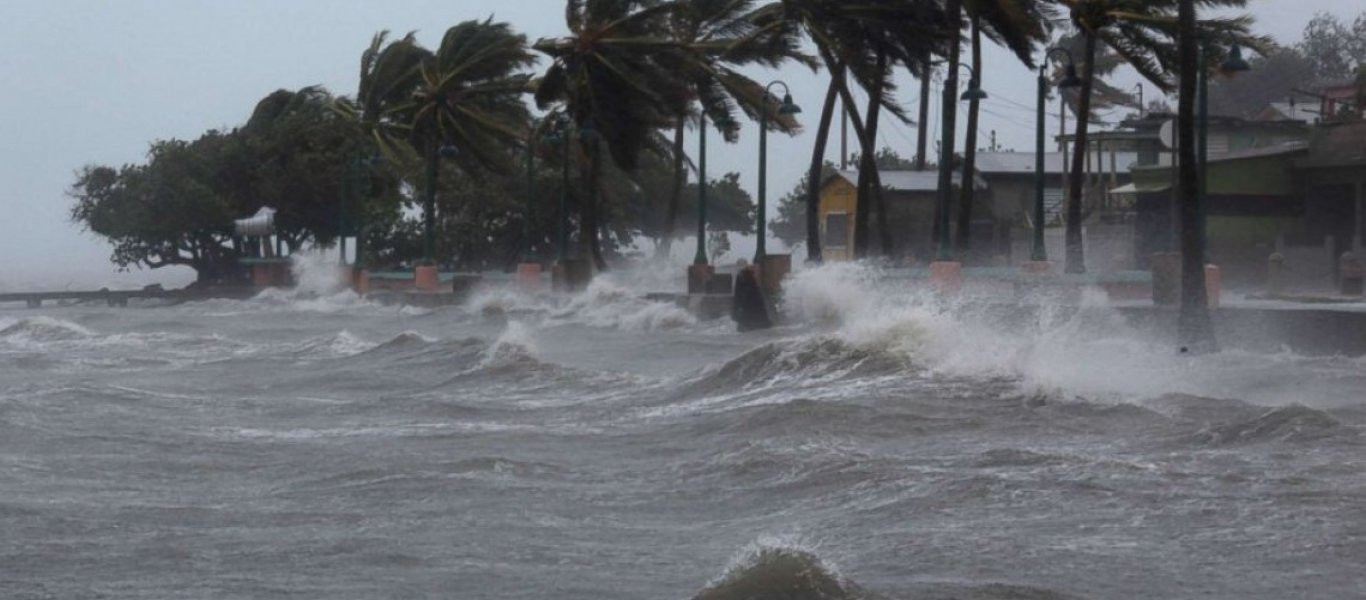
(954,8)
(1194,329)
(870,185)
(813,175)
(675,195)
(966,191)
(922,132)
(588,226)
(429,206)
(1076,254)
(871,188)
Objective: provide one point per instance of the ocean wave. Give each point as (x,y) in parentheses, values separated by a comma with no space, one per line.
(44,329)
(1295,423)
(781,573)
(809,360)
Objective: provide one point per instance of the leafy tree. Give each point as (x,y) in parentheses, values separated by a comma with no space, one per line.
(170,211)
(1273,78)
(1332,48)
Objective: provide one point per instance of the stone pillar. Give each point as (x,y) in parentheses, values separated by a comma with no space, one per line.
(571,274)
(1166,278)
(427,278)
(698,277)
(529,276)
(1275,274)
(1214,284)
(1350,275)
(749,307)
(946,276)
(773,268)
(362,282)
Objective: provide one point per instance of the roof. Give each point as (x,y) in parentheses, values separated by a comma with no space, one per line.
(1341,145)
(908,181)
(1299,111)
(1022,163)
(1261,152)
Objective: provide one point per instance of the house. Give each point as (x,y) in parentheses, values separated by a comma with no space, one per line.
(910,198)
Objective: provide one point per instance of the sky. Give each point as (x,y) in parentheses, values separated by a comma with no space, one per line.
(95,82)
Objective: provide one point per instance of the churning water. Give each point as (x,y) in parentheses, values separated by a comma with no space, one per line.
(315,445)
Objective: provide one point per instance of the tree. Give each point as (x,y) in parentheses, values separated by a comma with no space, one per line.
(1332,48)
(1194,328)
(861,39)
(1140,31)
(612,77)
(166,212)
(1018,25)
(721,35)
(467,103)
(1273,78)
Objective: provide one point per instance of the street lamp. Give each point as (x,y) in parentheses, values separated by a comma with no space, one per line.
(1232,64)
(725,122)
(974,92)
(357,195)
(1142,108)
(1069,80)
(786,108)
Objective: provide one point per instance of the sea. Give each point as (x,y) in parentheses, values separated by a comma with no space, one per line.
(880,443)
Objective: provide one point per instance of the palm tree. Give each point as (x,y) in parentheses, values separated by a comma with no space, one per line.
(1141,32)
(463,100)
(1018,25)
(612,76)
(859,39)
(1194,329)
(720,36)
(468,103)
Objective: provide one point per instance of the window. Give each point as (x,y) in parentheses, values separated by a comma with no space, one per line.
(837,230)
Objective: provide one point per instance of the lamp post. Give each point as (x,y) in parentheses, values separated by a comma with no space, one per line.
(1142,108)
(1069,80)
(974,92)
(1233,63)
(786,108)
(561,137)
(360,162)
(434,154)
(700,258)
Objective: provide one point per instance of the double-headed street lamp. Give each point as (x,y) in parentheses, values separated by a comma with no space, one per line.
(786,108)
(1069,80)
(974,92)
(725,122)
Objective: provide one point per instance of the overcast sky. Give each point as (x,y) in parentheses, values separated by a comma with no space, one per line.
(94,81)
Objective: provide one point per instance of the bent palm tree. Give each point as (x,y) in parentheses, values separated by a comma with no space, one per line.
(612,76)
(1018,25)
(468,102)
(717,36)
(1141,32)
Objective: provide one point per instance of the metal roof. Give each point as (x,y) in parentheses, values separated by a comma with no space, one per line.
(1022,163)
(912,181)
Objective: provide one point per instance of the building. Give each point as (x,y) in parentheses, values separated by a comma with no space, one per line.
(910,198)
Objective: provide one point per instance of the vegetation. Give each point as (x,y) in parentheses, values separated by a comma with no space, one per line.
(294,155)
(627,73)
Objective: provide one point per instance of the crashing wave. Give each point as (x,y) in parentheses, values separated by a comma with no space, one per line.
(44,329)
(780,573)
(1294,423)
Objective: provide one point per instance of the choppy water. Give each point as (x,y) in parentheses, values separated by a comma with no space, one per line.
(293,446)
